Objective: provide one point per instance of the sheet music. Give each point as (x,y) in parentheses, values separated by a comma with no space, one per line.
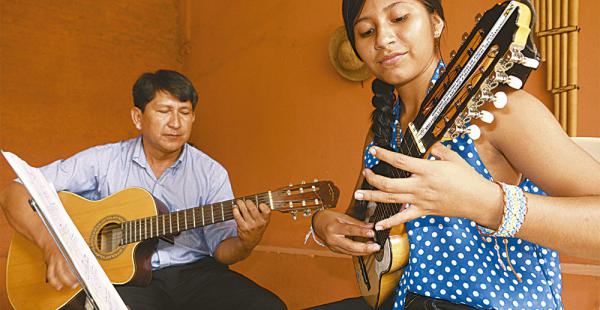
(72,245)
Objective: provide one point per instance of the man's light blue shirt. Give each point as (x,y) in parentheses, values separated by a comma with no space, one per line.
(193,180)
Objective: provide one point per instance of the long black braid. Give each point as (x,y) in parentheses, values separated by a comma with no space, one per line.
(381,119)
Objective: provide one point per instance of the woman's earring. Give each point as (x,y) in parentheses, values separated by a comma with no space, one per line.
(138,126)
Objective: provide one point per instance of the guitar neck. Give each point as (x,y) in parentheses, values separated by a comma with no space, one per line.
(178,221)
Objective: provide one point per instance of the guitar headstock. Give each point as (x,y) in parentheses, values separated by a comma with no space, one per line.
(491,55)
(305,197)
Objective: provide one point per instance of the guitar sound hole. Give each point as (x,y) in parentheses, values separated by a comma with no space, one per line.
(109,238)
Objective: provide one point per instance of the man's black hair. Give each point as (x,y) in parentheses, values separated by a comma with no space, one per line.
(169,81)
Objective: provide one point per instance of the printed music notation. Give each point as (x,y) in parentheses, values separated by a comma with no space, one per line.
(86,268)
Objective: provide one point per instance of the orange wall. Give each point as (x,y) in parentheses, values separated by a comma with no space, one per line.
(66,70)
(272,110)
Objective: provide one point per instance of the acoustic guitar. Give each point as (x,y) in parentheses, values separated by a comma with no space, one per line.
(499,50)
(123,229)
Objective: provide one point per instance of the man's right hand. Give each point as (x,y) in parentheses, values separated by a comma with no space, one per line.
(334,228)
(58,272)
(14,202)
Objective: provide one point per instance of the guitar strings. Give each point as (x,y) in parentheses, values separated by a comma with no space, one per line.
(405,145)
(407,148)
(139,228)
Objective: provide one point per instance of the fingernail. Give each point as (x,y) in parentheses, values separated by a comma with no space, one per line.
(364,172)
(358,195)
(374,247)
(378,227)
(371,234)
(373,151)
(74,286)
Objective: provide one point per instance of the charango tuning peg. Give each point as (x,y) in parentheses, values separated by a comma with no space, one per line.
(474,132)
(516,56)
(483,115)
(514,82)
(500,99)
(486,116)
(530,62)
(458,130)
(510,80)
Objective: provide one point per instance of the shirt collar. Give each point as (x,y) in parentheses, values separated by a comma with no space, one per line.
(139,156)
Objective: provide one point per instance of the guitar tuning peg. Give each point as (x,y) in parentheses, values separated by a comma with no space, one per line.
(500,100)
(452,54)
(474,132)
(307,213)
(294,215)
(290,185)
(316,180)
(303,182)
(485,116)
(478,17)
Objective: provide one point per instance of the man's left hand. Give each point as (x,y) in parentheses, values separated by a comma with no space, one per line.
(252,222)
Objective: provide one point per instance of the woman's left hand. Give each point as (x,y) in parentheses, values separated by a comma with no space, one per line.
(447,186)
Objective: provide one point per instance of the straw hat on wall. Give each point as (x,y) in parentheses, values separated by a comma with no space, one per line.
(344,60)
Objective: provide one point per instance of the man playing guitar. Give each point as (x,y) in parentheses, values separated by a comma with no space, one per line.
(193,270)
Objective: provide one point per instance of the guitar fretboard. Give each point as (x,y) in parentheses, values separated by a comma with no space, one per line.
(178,221)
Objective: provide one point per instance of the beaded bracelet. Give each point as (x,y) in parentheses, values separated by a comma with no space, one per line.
(515,209)
(312,233)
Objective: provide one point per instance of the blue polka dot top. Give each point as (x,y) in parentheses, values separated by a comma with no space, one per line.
(449,259)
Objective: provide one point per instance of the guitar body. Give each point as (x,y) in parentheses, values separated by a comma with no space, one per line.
(122,231)
(378,274)
(26,268)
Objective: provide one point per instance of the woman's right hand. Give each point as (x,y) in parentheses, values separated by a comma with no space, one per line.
(334,228)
